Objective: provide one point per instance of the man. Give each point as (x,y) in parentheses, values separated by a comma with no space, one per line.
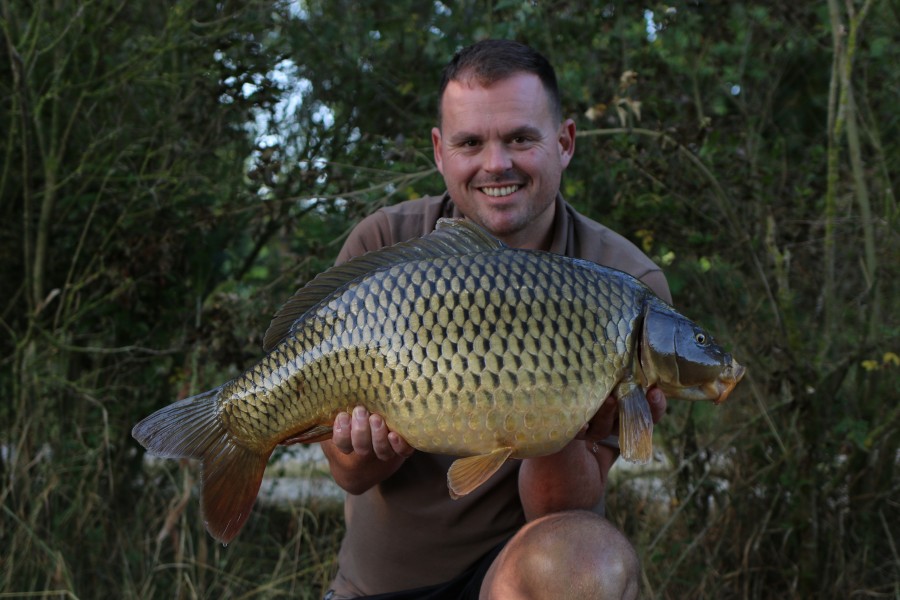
(529,531)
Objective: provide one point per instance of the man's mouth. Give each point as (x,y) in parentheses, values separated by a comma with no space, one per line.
(497,192)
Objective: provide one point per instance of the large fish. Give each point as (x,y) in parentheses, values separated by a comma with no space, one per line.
(465,346)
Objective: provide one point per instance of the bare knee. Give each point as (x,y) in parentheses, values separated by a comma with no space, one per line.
(567,554)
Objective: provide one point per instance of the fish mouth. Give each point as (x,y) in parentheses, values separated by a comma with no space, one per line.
(727,381)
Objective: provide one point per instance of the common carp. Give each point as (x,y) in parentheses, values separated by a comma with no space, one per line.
(464,346)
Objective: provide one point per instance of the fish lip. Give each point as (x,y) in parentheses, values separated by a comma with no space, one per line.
(728,380)
(724,390)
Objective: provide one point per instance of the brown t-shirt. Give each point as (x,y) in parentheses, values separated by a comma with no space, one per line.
(406,532)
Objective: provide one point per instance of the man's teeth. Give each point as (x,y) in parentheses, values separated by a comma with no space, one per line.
(500,191)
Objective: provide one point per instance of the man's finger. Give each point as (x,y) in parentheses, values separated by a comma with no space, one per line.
(360,433)
(657,401)
(380,443)
(341,433)
(400,445)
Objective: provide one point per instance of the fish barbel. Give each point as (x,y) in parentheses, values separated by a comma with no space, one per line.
(463,345)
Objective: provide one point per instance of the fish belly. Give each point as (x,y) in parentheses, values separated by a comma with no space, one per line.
(533,422)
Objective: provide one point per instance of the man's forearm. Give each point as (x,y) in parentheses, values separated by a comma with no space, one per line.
(567,480)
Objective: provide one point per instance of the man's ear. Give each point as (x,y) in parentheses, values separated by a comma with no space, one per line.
(436,144)
(566,141)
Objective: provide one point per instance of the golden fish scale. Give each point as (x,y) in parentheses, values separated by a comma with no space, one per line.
(461,355)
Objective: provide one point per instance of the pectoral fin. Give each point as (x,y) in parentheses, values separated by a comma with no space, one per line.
(468,473)
(635,423)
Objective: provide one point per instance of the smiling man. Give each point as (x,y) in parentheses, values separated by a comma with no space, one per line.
(532,530)
(502,149)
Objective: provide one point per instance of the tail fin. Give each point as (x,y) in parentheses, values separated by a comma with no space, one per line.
(230,473)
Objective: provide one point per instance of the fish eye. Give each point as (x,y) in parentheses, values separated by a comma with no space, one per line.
(701,338)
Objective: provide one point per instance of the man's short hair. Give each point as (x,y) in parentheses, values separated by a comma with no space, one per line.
(490,61)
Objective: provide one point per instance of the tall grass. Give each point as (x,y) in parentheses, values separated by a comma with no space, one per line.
(66,534)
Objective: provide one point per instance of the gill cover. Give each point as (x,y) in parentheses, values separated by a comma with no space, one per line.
(682,359)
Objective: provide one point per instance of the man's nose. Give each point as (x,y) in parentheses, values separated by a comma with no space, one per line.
(497,158)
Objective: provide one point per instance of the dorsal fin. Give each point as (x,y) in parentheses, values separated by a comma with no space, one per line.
(450,237)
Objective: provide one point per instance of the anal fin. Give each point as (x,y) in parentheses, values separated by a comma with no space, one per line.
(635,423)
(468,473)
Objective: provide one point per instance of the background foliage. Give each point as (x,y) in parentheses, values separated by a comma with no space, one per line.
(171,171)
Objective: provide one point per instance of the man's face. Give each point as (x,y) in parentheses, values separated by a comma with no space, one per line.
(502,153)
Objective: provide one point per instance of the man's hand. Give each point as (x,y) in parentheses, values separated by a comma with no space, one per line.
(366,434)
(363,451)
(606,422)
